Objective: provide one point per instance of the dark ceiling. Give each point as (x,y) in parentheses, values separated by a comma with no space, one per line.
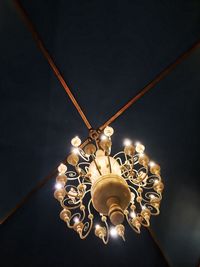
(107,51)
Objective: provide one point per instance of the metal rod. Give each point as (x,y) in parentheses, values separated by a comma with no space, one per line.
(152,84)
(97,166)
(110,168)
(52,64)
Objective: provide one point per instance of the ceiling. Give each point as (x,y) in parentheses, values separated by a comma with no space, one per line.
(107,52)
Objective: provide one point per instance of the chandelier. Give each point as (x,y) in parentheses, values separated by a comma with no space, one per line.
(100,192)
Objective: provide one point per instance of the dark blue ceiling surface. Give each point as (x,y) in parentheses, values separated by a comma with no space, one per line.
(107,51)
(166,120)
(35,110)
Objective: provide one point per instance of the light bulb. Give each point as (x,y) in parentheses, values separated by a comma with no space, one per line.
(97,226)
(127,142)
(103,137)
(155,181)
(139,147)
(75,150)
(113,232)
(62,168)
(108,131)
(76,219)
(76,141)
(58,185)
(132,214)
(152,196)
(143,207)
(151,163)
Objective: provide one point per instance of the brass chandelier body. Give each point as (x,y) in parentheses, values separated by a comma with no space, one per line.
(108,190)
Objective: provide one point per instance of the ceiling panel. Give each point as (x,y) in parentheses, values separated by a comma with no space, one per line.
(106,51)
(36,115)
(109,50)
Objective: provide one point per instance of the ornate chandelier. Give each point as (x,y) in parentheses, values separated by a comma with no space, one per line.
(107,190)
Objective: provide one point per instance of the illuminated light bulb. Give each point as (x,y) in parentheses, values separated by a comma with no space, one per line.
(76,141)
(132,214)
(152,196)
(97,226)
(151,163)
(58,186)
(143,207)
(76,219)
(113,232)
(139,147)
(108,131)
(62,168)
(156,181)
(103,137)
(127,142)
(75,150)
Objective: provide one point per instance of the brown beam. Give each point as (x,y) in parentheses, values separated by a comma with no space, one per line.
(152,84)
(157,243)
(52,64)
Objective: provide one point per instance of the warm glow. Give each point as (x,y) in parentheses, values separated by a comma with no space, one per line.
(62,168)
(132,214)
(104,192)
(75,150)
(113,232)
(58,185)
(76,141)
(139,147)
(103,137)
(127,142)
(151,163)
(108,131)
(76,219)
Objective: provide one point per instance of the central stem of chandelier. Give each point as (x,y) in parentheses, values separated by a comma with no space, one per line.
(108,190)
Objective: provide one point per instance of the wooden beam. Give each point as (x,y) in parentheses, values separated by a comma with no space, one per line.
(47,56)
(153,83)
(157,243)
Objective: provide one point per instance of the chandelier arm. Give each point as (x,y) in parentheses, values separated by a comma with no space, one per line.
(49,59)
(152,84)
(105,240)
(83,236)
(136,229)
(78,215)
(144,221)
